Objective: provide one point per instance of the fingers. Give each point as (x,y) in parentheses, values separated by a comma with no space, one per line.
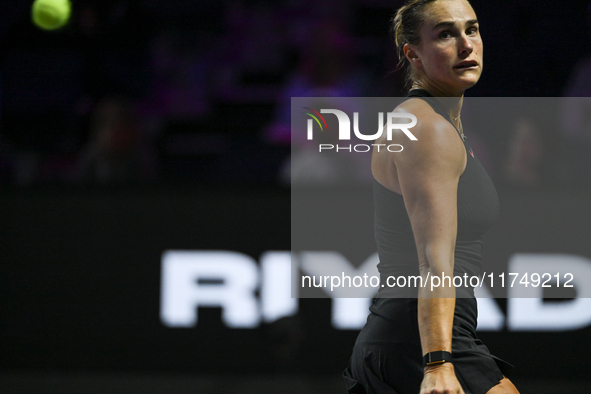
(450,387)
(443,391)
(441,381)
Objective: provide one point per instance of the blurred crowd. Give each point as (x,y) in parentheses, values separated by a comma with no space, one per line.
(152,91)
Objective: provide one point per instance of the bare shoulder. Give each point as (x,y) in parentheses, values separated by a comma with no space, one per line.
(432,127)
(437,152)
(437,142)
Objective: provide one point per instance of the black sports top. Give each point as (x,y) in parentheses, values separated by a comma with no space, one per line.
(478,209)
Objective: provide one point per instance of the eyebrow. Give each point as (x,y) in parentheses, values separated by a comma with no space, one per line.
(451,24)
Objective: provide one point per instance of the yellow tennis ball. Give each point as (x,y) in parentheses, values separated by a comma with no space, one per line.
(51,14)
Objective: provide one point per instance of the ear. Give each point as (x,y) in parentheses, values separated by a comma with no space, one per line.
(411,54)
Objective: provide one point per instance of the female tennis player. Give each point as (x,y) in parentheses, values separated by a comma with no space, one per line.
(433,203)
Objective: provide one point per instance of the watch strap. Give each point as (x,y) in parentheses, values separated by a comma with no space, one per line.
(438,357)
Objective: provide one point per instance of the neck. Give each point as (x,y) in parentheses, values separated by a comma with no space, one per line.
(451,101)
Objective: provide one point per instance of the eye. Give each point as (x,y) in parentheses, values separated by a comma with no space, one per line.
(472,31)
(445,34)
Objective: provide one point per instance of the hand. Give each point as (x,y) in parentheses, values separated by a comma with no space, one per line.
(440,379)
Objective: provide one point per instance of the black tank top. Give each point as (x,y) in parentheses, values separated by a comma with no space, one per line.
(478,209)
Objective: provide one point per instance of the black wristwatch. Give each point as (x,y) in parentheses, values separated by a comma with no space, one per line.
(438,357)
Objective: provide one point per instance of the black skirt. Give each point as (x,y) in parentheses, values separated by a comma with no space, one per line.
(387,356)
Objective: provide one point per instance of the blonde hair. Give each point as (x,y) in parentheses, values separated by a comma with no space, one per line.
(405,27)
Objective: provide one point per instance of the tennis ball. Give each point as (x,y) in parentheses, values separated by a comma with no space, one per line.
(51,14)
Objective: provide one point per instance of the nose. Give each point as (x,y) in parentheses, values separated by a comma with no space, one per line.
(465,45)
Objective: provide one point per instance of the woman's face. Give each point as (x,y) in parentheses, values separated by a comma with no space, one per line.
(449,56)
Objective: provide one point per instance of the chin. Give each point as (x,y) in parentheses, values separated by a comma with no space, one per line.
(467,83)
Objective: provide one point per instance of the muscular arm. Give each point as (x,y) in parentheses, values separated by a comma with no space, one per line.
(428,172)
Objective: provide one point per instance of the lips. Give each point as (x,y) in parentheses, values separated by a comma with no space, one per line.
(466,64)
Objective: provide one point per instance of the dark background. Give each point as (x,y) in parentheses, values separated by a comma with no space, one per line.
(189,97)
(81,288)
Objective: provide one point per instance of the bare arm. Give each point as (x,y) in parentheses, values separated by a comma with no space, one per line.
(428,172)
